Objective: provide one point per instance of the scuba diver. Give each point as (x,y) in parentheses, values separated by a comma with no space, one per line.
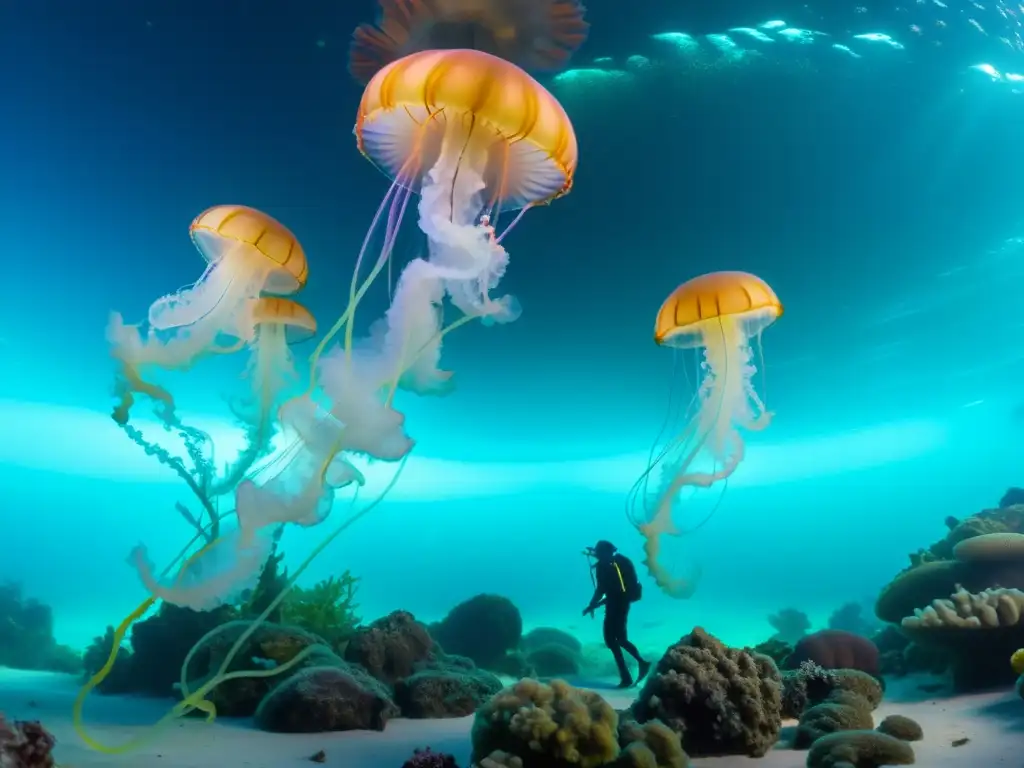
(616,586)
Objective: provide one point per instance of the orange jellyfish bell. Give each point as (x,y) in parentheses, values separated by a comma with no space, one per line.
(260,237)
(476,107)
(697,309)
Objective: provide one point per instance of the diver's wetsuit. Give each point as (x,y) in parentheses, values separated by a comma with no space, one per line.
(611,587)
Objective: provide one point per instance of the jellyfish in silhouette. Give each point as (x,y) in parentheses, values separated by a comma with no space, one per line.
(279,323)
(719,314)
(475,136)
(537,35)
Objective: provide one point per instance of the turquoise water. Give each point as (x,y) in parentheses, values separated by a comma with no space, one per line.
(864,164)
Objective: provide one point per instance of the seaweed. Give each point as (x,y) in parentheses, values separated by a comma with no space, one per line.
(327,609)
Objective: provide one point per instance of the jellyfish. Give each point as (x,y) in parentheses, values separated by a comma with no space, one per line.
(537,35)
(719,313)
(277,322)
(475,136)
(247,252)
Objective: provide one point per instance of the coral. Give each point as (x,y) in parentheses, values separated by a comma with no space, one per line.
(327,609)
(989,609)
(554,660)
(546,636)
(427,758)
(841,711)
(720,700)
(1017,661)
(860,683)
(484,628)
(391,647)
(809,683)
(901,727)
(25,744)
(651,745)
(979,632)
(26,635)
(452,687)
(318,699)
(776,650)
(789,625)
(268,647)
(835,649)
(859,749)
(547,726)
(161,643)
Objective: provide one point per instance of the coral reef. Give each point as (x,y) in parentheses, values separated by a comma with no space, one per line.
(484,628)
(26,635)
(446,687)
(547,726)
(332,698)
(391,647)
(901,727)
(977,631)
(835,649)
(427,758)
(25,744)
(720,700)
(841,711)
(859,749)
(542,637)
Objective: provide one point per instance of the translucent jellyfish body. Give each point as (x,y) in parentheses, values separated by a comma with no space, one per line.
(719,314)
(475,136)
(247,252)
(537,35)
(278,323)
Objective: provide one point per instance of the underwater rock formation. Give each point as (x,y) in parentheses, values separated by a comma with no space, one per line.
(835,649)
(335,698)
(26,635)
(483,628)
(25,744)
(720,700)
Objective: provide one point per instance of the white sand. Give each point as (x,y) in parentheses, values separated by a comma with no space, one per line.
(994,723)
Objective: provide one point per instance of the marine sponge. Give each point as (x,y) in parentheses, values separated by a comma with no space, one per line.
(859,749)
(720,700)
(547,726)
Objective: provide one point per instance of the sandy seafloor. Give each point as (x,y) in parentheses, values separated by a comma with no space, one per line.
(993,722)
